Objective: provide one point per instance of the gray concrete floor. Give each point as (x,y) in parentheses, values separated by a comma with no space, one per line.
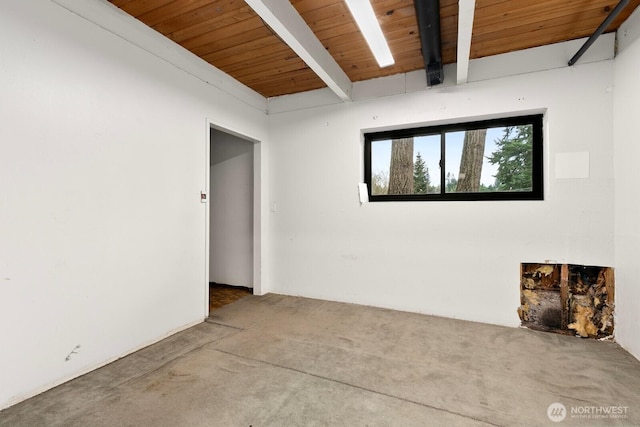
(287,361)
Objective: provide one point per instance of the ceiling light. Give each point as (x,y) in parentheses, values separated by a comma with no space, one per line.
(362,12)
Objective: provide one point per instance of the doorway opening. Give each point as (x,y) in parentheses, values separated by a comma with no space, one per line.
(221,294)
(231,219)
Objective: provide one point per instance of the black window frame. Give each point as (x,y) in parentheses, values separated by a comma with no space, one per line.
(536,193)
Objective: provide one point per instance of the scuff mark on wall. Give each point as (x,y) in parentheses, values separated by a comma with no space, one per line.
(74,351)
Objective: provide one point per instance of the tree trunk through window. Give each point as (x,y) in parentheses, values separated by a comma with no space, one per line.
(471,161)
(401,168)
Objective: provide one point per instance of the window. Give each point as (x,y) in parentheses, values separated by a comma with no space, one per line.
(487,160)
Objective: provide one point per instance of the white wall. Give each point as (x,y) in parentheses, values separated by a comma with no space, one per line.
(231,204)
(627,190)
(102,160)
(103,157)
(454,259)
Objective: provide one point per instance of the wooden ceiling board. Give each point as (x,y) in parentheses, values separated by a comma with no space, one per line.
(334,31)
(255,36)
(240,53)
(331,12)
(279,62)
(449,38)
(506,26)
(188,26)
(304,78)
(120,3)
(138,7)
(309,5)
(177,12)
(539,15)
(555,29)
(231,36)
(288,83)
(272,68)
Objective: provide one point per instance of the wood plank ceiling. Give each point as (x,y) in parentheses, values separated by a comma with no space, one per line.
(231,36)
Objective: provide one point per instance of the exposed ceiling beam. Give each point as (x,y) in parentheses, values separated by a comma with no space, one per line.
(285,20)
(466,10)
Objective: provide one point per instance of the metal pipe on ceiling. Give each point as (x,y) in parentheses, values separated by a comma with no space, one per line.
(428,16)
(612,15)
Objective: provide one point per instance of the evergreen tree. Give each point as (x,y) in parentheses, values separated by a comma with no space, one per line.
(421,181)
(451,184)
(514,159)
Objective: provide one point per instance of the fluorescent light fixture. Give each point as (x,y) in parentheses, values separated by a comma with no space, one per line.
(365,17)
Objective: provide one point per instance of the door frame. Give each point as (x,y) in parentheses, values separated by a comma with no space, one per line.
(258,288)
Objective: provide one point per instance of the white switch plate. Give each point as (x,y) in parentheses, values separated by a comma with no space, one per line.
(363,192)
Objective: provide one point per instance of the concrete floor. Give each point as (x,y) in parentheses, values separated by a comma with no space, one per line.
(281,361)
